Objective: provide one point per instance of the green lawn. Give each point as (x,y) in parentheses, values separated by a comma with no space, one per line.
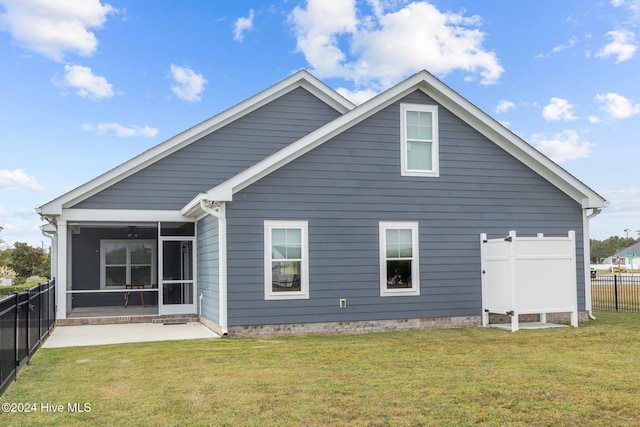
(568,376)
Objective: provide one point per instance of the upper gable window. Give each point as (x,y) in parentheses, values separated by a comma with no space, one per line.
(419,140)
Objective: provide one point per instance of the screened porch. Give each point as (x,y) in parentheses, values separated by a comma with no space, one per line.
(134,269)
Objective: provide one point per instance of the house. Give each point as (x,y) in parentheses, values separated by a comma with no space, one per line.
(296,211)
(625,258)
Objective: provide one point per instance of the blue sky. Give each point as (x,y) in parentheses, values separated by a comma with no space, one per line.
(86,85)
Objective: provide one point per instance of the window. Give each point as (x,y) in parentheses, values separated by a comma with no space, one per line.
(286,268)
(419,154)
(127,262)
(399,266)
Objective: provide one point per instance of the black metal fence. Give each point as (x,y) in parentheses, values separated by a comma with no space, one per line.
(615,292)
(26,318)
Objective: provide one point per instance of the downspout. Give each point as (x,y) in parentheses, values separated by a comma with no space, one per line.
(218,210)
(51,260)
(587,256)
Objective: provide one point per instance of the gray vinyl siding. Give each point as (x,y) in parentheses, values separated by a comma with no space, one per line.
(345,187)
(208,268)
(173,181)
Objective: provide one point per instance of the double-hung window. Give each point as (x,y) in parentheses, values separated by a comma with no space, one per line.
(399,263)
(286,264)
(419,155)
(127,262)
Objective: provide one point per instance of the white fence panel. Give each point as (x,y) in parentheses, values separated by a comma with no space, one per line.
(497,271)
(529,275)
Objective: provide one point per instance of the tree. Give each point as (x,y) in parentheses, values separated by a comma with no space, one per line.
(605,248)
(28,261)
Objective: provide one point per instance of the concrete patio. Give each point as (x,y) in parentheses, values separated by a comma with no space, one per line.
(85,335)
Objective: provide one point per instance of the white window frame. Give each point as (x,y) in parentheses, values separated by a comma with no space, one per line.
(303,293)
(103,260)
(435,145)
(415,259)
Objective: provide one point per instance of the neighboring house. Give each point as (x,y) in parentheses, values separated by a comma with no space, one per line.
(629,258)
(296,211)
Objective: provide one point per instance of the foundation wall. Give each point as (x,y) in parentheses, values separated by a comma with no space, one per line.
(168,318)
(583,316)
(354,327)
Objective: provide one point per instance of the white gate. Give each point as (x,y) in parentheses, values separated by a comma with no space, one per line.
(529,275)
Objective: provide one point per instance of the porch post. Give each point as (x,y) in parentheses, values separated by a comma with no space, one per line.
(222,267)
(218,210)
(61,269)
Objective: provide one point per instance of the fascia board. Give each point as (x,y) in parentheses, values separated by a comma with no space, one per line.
(449,99)
(120,215)
(511,143)
(300,79)
(193,208)
(225,190)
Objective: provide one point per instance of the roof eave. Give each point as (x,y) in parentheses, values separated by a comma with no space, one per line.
(301,78)
(451,100)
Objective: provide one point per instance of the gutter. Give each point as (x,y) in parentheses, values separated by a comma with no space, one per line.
(596,212)
(49,231)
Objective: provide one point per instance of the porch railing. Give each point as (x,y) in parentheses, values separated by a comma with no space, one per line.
(26,318)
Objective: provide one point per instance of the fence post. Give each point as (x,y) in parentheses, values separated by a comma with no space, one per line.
(615,289)
(15,334)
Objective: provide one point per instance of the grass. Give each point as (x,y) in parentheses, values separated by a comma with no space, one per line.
(603,296)
(567,376)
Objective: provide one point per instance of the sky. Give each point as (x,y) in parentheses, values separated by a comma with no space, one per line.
(86,85)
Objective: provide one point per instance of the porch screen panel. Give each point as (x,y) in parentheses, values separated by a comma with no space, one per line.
(141,262)
(128,262)
(115,264)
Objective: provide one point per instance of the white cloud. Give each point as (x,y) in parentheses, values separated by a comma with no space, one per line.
(55,27)
(617,106)
(243,25)
(357,96)
(317,29)
(338,41)
(188,85)
(17,179)
(559,48)
(85,83)
(563,146)
(623,45)
(120,130)
(570,43)
(632,5)
(504,106)
(558,109)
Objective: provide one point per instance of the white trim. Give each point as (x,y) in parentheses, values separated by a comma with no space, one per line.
(178,308)
(415,258)
(586,264)
(301,78)
(128,242)
(435,147)
(222,269)
(116,215)
(219,212)
(61,268)
(304,261)
(448,99)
